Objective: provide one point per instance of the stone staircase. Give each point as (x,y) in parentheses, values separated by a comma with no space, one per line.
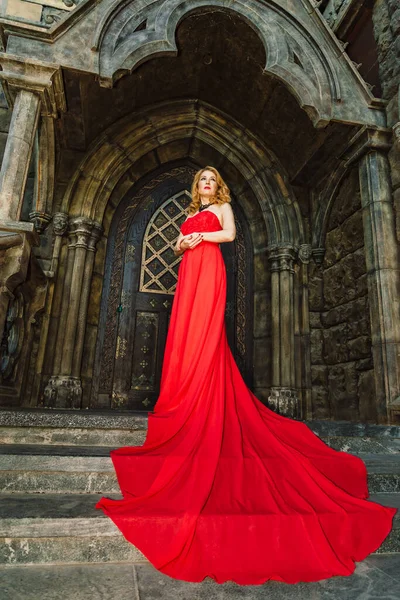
(55,465)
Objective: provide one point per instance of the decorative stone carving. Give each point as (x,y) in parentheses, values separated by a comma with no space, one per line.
(60,223)
(284,401)
(40,13)
(305,253)
(63,391)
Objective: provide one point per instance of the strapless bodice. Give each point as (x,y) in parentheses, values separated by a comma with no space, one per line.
(203,221)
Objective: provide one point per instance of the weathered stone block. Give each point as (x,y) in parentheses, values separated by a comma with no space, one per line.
(340,281)
(365,364)
(315,320)
(320,402)
(316,292)
(347,313)
(335,348)
(25,10)
(316,338)
(359,348)
(343,391)
(319,375)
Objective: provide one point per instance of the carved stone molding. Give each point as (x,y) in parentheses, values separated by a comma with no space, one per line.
(318,255)
(366,140)
(40,220)
(44,80)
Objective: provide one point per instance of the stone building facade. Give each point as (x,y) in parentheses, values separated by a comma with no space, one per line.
(107,110)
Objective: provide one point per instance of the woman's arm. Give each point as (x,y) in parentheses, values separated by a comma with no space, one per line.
(187,242)
(228,233)
(177,250)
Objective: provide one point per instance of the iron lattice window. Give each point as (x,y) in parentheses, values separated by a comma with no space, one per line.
(159,265)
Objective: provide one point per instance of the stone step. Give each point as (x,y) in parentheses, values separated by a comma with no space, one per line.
(52,528)
(116,429)
(74,469)
(116,438)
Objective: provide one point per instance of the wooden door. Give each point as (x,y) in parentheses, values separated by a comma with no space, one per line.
(145,289)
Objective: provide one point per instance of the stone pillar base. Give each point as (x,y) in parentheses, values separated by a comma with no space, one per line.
(284,401)
(63,391)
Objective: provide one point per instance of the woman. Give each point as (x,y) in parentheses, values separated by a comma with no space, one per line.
(224,487)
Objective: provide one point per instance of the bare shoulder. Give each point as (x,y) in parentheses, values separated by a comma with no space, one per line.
(226,211)
(226,208)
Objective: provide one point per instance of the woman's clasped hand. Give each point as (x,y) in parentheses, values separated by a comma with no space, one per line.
(191,241)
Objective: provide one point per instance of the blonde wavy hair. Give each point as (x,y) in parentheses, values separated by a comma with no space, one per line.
(222,195)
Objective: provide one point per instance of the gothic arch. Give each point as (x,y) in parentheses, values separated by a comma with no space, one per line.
(117,150)
(132,33)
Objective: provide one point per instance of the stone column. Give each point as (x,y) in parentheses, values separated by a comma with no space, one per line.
(62,324)
(87,280)
(64,389)
(304,365)
(60,225)
(283,398)
(369,149)
(382,260)
(17,154)
(31,88)
(45,172)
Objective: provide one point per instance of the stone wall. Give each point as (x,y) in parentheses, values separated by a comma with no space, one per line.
(342,367)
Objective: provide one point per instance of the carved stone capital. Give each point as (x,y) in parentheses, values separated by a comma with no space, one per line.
(40,220)
(282,258)
(34,76)
(284,401)
(63,391)
(60,223)
(81,228)
(366,140)
(318,255)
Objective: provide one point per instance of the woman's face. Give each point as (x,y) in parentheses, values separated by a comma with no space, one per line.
(207,184)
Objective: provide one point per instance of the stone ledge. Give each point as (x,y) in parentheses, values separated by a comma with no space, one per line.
(95,419)
(72,418)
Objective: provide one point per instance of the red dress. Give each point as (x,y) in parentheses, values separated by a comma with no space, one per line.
(224,487)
